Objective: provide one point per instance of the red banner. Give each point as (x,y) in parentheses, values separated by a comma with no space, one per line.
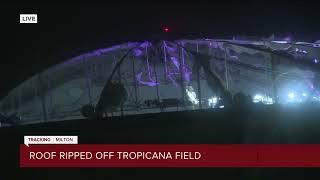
(149,155)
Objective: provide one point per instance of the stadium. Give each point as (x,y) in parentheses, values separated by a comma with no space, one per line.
(164,76)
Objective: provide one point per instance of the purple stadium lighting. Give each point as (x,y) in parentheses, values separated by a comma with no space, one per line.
(150,83)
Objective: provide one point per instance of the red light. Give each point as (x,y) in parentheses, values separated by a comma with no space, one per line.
(166,29)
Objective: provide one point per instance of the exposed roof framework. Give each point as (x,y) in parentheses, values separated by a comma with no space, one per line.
(169,76)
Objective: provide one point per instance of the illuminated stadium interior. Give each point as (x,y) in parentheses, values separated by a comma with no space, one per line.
(162,76)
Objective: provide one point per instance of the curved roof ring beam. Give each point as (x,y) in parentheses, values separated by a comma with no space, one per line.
(281,53)
(111,90)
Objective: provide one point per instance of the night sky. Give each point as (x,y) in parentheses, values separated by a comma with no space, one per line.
(65,30)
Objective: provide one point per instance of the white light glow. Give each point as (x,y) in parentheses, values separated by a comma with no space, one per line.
(280,42)
(192,95)
(212,101)
(316,98)
(268,100)
(261,98)
(257,98)
(291,95)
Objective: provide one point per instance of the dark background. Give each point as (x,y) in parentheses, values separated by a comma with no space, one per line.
(68,29)
(65,30)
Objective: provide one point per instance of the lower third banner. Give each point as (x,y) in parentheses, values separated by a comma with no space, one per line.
(161,155)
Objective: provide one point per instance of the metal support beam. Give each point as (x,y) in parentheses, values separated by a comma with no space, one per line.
(165,61)
(42,97)
(157,86)
(181,68)
(119,76)
(135,83)
(88,80)
(198,81)
(226,68)
(273,75)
